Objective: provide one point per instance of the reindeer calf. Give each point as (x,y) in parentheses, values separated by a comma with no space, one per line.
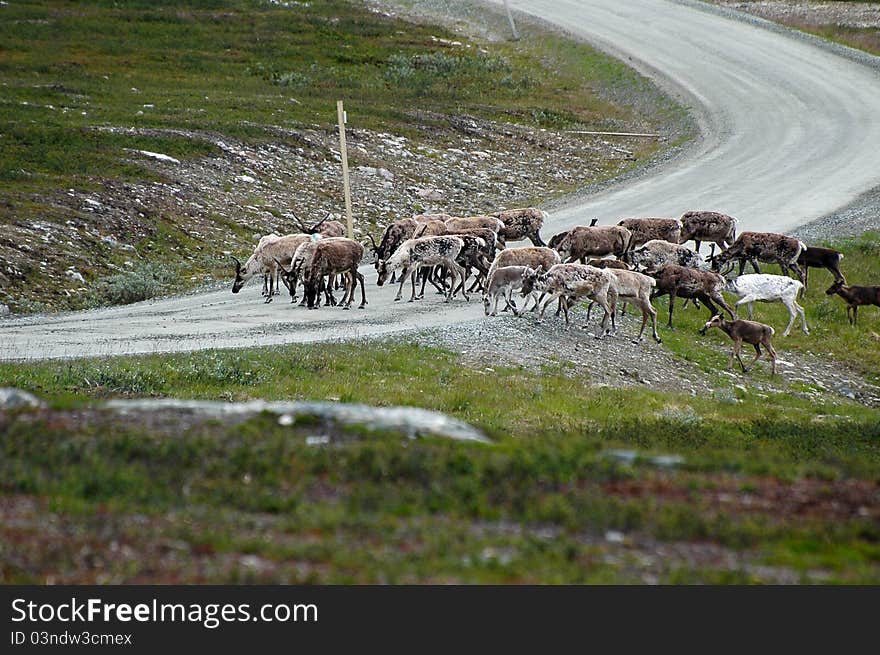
(502,283)
(751,332)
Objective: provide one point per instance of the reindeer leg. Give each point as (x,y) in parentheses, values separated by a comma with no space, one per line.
(350,286)
(803,318)
(412,277)
(772,352)
(425,274)
(737,347)
(671,307)
(757,355)
(363,304)
(495,305)
(742,301)
(653,312)
(792,313)
(602,299)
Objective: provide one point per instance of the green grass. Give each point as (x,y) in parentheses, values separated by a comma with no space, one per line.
(232,67)
(379,507)
(830,333)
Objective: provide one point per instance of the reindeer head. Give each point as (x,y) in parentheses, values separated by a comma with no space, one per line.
(382,268)
(715,321)
(834,288)
(719,260)
(564,246)
(239,278)
(287,277)
(556,239)
(531,277)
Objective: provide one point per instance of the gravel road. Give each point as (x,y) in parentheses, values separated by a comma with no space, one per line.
(790,134)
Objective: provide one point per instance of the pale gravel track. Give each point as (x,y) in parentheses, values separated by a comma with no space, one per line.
(791,132)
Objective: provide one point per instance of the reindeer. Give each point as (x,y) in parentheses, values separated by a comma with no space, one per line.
(333,257)
(582,242)
(323,227)
(762,246)
(686,282)
(708,226)
(573,281)
(394,234)
(648,229)
(304,253)
(751,332)
(502,283)
(657,253)
(817,257)
(521,224)
(762,287)
(636,288)
(855,297)
(414,254)
(265,258)
(488,222)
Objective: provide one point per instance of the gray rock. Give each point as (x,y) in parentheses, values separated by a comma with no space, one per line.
(4,311)
(411,421)
(11,398)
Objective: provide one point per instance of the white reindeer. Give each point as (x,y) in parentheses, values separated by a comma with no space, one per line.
(763,287)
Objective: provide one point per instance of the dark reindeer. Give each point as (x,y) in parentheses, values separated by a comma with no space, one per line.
(855,297)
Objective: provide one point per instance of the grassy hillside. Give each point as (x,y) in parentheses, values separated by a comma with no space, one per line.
(224,84)
(770,484)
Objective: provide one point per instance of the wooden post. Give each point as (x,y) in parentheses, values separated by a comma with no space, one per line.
(343,150)
(512,24)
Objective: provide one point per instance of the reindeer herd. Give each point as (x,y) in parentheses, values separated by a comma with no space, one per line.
(633,262)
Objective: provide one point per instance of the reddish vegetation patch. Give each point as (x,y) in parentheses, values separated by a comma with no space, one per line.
(839,500)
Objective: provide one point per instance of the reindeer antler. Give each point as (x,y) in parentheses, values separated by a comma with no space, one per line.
(237,264)
(302,226)
(421,232)
(314,228)
(375,247)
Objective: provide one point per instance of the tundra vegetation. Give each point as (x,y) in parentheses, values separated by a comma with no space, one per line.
(773,484)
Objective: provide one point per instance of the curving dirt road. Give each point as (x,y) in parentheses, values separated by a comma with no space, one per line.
(791,133)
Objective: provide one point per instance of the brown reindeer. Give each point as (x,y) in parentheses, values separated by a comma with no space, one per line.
(582,242)
(648,229)
(521,224)
(706,286)
(855,297)
(708,226)
(334,257)
(762,246)
(751,332)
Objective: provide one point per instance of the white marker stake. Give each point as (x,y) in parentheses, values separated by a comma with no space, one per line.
(512,24)
(343,150)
